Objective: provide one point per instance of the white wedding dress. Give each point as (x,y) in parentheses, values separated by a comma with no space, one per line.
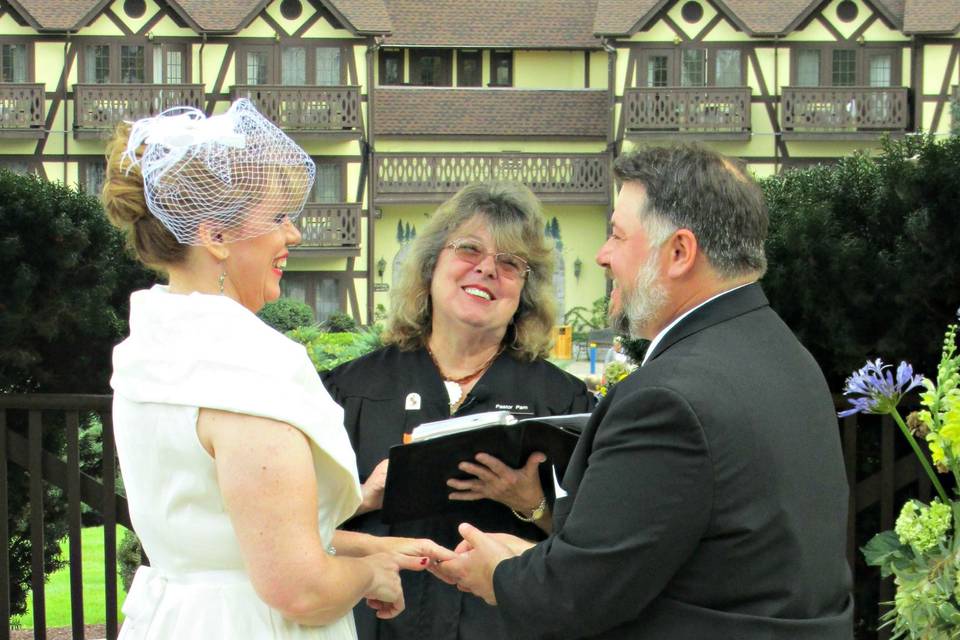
(190,351)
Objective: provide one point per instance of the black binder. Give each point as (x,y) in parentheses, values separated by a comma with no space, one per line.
(416,485)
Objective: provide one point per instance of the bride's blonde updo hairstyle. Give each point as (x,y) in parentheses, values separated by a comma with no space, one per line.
(182,178)
(126,206)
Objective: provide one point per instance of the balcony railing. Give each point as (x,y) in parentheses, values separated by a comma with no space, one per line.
(306,110)
(699,110)
(329,226)
(22,110)
(834,110)
(570,178)
(99,107)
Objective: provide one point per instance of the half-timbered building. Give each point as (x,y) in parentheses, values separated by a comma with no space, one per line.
(400,102)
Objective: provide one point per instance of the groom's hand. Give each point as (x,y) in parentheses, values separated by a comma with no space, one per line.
(472,569)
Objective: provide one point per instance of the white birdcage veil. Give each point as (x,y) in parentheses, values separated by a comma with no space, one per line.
(237,172)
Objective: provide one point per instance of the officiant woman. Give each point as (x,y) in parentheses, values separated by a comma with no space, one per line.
(469,332)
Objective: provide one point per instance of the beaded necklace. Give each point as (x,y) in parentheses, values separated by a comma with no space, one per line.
(453,385)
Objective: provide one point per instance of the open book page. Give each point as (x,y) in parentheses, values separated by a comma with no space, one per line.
(461,423)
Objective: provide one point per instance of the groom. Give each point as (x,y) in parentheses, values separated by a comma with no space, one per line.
(707,496)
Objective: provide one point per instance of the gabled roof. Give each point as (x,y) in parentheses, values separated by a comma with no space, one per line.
(527,24)
(430,111)
(932,16)
(360,17)
(59,15)
(223,16)
(754,17)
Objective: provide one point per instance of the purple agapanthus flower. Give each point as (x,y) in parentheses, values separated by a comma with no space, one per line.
(875,389)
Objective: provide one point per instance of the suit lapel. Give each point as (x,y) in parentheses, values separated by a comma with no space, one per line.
(727,306)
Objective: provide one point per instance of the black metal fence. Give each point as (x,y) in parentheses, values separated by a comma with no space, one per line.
(881,473)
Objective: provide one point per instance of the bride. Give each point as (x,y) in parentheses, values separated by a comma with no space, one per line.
(235,460)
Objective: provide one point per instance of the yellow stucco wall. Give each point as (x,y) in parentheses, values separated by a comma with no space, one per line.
(166,28)
(692,29)
(259,28)
(135,24)
(48,64)
(598,70)
(935,59)
(813,32)
(548,69)
(101,26)
(724,31)
(9,27)
(846,28)
(659,32)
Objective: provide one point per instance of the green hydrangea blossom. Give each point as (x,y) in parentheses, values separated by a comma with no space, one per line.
(923,527)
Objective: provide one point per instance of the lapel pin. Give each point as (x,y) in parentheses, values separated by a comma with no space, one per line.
(413,402)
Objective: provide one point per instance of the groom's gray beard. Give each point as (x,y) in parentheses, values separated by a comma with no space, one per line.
(642,303)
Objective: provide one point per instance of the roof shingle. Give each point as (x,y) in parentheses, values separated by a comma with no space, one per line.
(491,112)
(62,15)
(618,17)
(534,24)
(365,16)
(931,16)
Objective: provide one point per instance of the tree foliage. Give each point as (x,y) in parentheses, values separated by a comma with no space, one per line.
(864,254)
(63,305)
(63,301)
(286,314)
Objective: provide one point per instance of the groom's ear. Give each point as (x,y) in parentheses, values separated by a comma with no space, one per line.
(211,239)
(683,250)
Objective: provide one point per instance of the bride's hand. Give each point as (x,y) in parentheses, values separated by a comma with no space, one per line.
(385,593)
(417,547)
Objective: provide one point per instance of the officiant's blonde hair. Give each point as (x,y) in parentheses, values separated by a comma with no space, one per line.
(515,219)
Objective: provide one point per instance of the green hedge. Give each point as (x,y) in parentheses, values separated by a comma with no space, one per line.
(864,255)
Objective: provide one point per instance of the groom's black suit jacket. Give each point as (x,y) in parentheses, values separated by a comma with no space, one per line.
(707,498)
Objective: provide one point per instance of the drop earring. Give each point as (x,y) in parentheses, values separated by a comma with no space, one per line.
(223,276)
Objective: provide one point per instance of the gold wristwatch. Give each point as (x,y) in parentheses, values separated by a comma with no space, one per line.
(537,513)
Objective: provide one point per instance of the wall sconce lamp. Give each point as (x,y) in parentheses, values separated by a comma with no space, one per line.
(150,36)
(577,268)
(381,267)
(861,40)
(677,40)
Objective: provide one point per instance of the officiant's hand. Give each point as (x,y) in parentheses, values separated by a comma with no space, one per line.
(372,489)
(478,557)
(519,489)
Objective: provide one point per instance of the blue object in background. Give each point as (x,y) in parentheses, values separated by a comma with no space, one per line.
(593,357)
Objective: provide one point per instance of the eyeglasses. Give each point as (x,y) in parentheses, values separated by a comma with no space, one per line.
(509,265)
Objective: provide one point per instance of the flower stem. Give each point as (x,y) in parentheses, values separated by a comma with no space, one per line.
(923,459)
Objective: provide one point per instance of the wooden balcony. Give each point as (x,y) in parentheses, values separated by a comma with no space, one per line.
(329,229)
(714,112)
(833,113)
(432,177)
(99,107)
(308,111)
(22,110)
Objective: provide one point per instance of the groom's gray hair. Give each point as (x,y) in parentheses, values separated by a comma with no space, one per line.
(691,187)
